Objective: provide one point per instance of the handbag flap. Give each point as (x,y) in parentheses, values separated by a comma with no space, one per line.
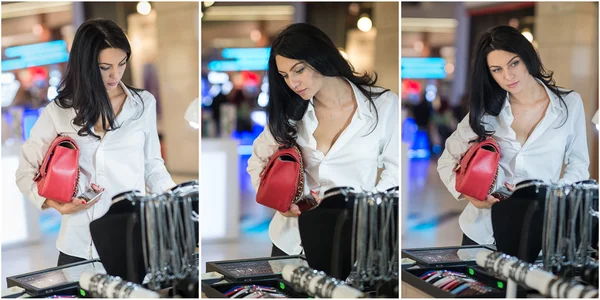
(287,152)
(62,141)
(486,144)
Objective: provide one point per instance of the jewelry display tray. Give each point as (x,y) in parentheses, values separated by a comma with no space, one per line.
(254,268)
(264,271)
(411,277)
(63,280)
(445,256)
(218,290)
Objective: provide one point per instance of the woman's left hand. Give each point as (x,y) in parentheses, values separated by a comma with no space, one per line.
(316,196)
(510,187)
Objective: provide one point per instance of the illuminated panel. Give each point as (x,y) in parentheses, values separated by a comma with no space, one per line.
(423,67)
(35,55)
(241,59)
(246,53)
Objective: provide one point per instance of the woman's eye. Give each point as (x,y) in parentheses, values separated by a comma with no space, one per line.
(515,63)
(284,76)
(300,71)
(104,68)
(495,70)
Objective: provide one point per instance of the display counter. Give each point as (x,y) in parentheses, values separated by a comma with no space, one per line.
(421,266)
(225,278)
(281,277)
(76,281)
(422,269)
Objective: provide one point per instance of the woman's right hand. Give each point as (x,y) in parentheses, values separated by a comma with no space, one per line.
(76,204)
(486,204)
(294,211)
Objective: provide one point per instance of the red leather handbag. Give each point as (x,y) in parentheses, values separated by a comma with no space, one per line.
(477,170)
(282,180)
(58,177)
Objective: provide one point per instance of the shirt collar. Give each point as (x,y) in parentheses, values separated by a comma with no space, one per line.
(554,100)
(363,107)
(136,100)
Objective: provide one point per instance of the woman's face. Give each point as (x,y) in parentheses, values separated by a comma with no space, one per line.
(509,70)
(299,76)
(112,62)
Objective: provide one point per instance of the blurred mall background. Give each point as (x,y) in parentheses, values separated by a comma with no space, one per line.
(437,44)
(235,46)
(36,39)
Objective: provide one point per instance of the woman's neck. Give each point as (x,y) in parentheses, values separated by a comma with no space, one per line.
(336,92)
(530,94)
(114,93)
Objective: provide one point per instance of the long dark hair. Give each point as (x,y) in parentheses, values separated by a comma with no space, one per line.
(486,95)
(306,43)
(82,87)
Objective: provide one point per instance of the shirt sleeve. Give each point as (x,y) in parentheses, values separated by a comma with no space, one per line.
(456,145)
(390,154)
(577,158)
(157,177)
(263,148)
(33,152)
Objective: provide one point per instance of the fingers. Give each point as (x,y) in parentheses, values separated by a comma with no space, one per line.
(509,186)
(294,211)
(78,201)
(491,199)
(96,188)
(487,203)
(316,196)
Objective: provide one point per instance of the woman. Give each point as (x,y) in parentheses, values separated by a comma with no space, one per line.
(114,126)
(345,127)
(537,125)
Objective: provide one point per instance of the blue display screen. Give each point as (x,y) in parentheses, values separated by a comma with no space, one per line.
(423,67)
(34,55)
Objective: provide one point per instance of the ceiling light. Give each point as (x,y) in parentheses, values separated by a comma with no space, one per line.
(364,24)
(143,8)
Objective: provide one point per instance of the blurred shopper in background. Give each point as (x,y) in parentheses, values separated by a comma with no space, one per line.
(345,126)
(114,126)
(537,125)
(443,120)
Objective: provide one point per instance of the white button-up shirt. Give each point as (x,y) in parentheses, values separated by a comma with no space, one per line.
(125,159)
(353,159)
(541,157)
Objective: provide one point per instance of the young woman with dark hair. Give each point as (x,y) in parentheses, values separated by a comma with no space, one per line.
(537,125)
(345,126)
(114,126)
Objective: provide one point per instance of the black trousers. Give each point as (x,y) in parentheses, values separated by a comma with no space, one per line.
(466,241)
(65,259)
(277,252)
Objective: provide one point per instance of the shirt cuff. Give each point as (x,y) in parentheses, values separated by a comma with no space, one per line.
(37,199)
(164,185)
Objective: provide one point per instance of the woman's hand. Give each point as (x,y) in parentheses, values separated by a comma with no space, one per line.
(486,204)
(76,204)
(294,211)
(510,187)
